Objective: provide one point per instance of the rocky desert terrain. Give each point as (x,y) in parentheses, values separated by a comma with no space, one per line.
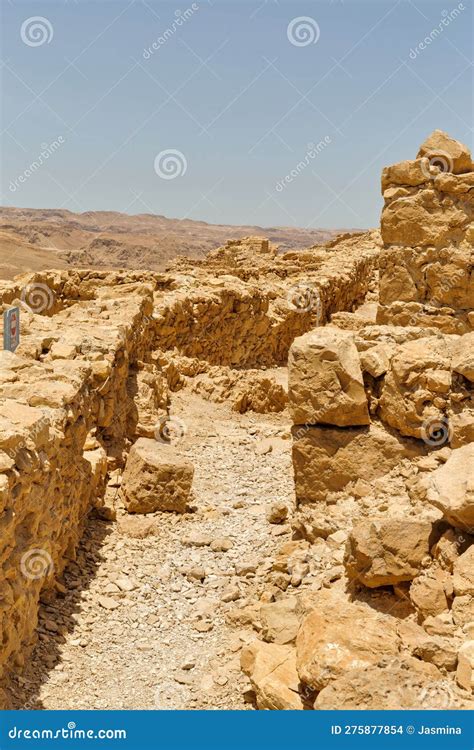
(38,239)
(247,481)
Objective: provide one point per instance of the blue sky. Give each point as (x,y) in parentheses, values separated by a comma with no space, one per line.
(235,96)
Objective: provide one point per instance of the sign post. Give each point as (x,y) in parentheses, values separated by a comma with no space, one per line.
(11,328)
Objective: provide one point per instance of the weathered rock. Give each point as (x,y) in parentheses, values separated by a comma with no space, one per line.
(279,621)
(156,478)
(277,512)
(325,380)
(339,635)
(451,488)
(462,610)
(401,685)
(431,591)
(389,551)
(326,459)
(465,670)
(440,144)
(272,672)
(463,573)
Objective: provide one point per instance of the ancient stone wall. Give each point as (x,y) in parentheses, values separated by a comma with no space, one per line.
(427,265)
(93,372)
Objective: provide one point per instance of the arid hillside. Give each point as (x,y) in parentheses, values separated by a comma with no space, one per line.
(36,239)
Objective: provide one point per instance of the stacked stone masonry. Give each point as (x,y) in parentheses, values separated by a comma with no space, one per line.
(383,441)
(99,358)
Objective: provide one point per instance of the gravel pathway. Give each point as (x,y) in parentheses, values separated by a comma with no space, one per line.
(146,623)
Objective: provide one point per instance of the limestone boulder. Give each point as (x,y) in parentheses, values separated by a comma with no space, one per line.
(326,459)
(156,478)
(416,389)
(462,610)
(451,488)
(431,592)
(409,173)
(271,669)
(423,219)
(451,155)
(439,276)
(387,551)
(465,670)
(406,684)
(280,621)
(463,573)
(339,635)
(325,382)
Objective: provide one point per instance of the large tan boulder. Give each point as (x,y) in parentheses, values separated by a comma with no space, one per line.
(339,635)
(423,219)
(279,620)
(431,591)
(271,669)
(416,388)
(462,610)
(406,684)
(451,488)
(326,459)
(387,551)
(325,382)
(156,478)
(447,153)
(463,573)
(409,173)
(465,670)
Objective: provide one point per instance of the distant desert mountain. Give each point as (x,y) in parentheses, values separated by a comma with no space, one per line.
(35,239)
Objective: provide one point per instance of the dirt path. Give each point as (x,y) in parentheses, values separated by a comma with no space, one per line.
(136,627)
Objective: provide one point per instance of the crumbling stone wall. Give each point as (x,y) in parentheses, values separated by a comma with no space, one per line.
(92,374)
(383,456)
(427,265)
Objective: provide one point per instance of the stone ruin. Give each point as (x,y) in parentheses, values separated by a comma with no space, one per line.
(378,332)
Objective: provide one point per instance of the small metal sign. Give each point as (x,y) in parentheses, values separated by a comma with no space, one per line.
(11,328)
